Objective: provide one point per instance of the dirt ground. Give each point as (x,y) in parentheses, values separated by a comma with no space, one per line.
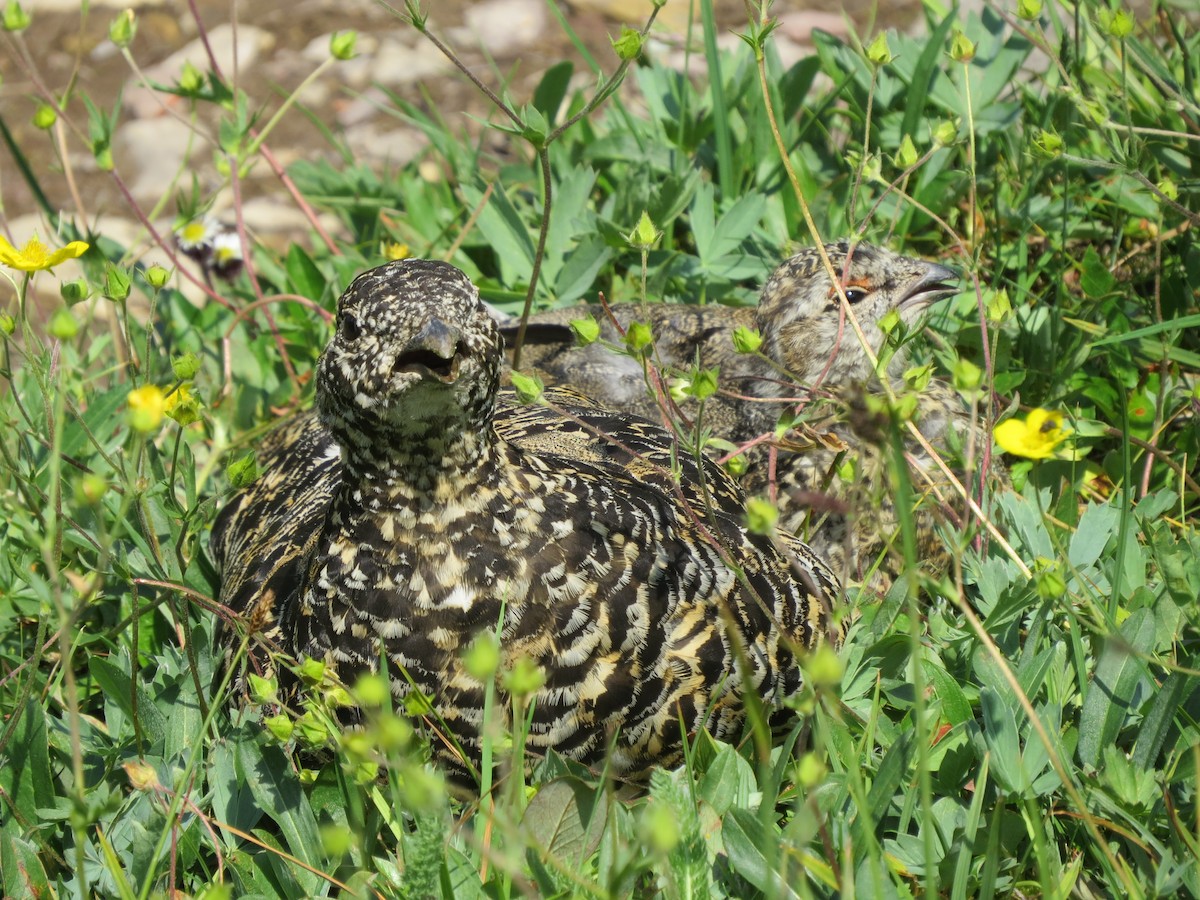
(61,47)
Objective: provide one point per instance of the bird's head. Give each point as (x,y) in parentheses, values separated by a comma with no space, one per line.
(414,350)
(799,313)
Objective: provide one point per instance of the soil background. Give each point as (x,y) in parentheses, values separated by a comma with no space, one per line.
(158,150)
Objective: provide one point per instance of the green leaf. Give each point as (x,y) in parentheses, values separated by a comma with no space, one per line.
(1177,688)
(25,775)
(1097,526)
(1004,747)
(549,94)
(119,688)
(745,838)
(728,782)
(1118,687)
(506,233)
(277,791)
(304,278)
(1094,278)
(955,706)
(566,817)
(24,874)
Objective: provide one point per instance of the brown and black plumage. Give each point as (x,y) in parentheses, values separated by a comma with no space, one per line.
(644,605)
(810,356)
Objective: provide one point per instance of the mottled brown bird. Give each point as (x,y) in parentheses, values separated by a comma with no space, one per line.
(593,549)
(810,358)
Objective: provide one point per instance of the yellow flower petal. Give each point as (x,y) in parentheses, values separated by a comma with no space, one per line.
(147,406)
(1034,438)
(36,257)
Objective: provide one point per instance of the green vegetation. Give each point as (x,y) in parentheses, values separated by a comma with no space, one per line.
(1025,725)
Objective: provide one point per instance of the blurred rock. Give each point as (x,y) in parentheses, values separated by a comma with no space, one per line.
(504,27)
(149,152)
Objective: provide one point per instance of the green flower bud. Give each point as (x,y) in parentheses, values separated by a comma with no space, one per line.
(90,489)
(639,338)
(736,466)
(906,156)
(946,133)
(63,325)
(342,45)
(644,234)
(190,80)
(704,383)
(102,153)
(122,29)
(44,117)
(7,323)
(659,828)
(918,377)
(999,307)
(336,839)
(312,730)
(746,340)
(391,734)
(116,283)
(529,388)
(629,45)
(524,677)
(263,690)
(1169,189)
(890,321)
(482,658)
(810,771)
(967,376)
(372,690)
(185,367)
(1029,10)
(74,291)
(823,667)
(182,405)
(587,331)
(243,471)
(761,515)
(312,670)
(15,17)
(1048,579)
(1047,143)
(962,48)
(157,276)
(1118,23)
(879,53)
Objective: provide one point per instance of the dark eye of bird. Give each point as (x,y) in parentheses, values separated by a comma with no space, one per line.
(350,327)
(856,295)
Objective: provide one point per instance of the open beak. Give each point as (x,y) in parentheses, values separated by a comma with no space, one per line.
(433,353)
(937,282)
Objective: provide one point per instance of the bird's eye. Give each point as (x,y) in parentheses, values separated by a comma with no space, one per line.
(856,295)
(350,327)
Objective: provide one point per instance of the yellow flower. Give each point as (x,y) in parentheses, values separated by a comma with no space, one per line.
(34,256)
(147,406)
(393,251)
(1036,437)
